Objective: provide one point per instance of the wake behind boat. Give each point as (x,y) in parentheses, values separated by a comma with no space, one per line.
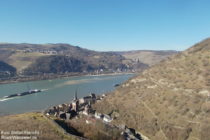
(23,93)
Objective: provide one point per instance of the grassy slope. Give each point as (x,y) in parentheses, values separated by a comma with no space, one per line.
(21,60)
(32,122)
(170,100)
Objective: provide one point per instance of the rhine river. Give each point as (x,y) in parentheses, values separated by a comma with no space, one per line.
(56,91)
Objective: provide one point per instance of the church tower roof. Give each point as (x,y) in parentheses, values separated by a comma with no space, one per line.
(75,95)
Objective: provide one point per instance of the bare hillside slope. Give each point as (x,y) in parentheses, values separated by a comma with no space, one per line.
(148,57)
(170,101)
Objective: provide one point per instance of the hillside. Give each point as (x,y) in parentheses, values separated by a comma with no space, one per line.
(55,64)
(170,101)
(6,70)
(148,57)
(52,60)
(27,56)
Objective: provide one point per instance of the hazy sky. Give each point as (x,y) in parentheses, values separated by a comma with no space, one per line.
(106,24)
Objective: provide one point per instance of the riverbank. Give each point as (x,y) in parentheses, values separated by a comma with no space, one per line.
(54,76)
(55,92)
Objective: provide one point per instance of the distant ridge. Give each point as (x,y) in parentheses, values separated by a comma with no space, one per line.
(150,57)
(27,59)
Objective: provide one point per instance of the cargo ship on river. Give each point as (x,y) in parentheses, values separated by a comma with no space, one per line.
(23,93)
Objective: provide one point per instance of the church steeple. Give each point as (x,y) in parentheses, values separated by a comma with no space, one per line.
(75,103)
(75,95)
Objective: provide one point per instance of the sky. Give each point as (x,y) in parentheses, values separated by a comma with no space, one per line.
(106,25)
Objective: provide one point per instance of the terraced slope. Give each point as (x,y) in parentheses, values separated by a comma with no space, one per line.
(170,101)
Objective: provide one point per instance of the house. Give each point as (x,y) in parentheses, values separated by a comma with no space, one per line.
(69,107)
(98,115)
(87,110)
(68,116)
(104,95)
(62,115)
(88,99)
(75,105)
(107,118)
(55,110)
(60,107)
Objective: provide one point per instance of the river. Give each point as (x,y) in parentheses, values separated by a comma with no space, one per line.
(56,91)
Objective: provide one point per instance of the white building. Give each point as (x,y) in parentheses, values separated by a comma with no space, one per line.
(88,99)
(107,118)
(98,115)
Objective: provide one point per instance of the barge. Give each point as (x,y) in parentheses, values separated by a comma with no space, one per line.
(23,93)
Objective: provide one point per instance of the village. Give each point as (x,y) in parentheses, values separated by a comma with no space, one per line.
(83,106)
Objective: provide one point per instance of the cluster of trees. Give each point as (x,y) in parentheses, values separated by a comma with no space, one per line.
(6,70)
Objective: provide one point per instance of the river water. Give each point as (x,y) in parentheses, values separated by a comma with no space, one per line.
(55,92)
